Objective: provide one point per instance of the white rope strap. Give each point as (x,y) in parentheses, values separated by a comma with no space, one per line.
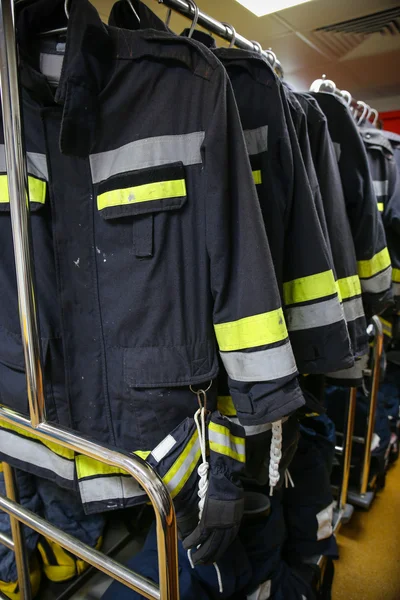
(275,455)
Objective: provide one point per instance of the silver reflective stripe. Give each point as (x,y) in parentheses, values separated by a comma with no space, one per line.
(255,429)
(51,66)
(256,140)
(110,489)
(225,440)
(379,283)
(313,315)
(338,150)
(355,372)
(37,164)
(396,289)
(381,188)
(325,518)
(353,309)
(163,448)
(263,592)
(150,152)
(261,365)
(36,454)
(184,468)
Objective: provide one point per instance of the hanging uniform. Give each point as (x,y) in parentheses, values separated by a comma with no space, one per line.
(341,240)
(159,253)
(373,259)
(386,181)
(123,16)
(308,288)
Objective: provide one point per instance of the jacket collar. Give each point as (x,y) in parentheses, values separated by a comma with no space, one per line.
(86,66)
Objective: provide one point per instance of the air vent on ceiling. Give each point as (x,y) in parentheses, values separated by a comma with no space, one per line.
(384,22)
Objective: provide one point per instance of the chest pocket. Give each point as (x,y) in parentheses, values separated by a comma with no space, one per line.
(37,193)
(141,195)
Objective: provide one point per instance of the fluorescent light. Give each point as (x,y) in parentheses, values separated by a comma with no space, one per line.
(266,7)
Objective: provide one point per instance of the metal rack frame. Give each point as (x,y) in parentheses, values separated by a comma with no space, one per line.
(168,588)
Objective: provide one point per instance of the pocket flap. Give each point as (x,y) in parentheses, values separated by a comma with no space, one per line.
(37,193)
(152,190)
(12,352)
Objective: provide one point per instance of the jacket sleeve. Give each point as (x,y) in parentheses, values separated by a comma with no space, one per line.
(247,315)
(391,218)
(313,311)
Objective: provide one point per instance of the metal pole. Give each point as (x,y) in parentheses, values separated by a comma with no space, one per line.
(351,414)
(378,348)
(19,206)
(209,23)
(21,559)
(106,564)
(141,471)
(6,541)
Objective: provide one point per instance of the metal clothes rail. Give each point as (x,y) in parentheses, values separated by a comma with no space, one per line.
(137,468)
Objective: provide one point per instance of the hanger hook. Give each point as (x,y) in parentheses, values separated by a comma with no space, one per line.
(232,31)
(168,19)
(66,9)
(196,11)
(374,112)
(133,10)
(364,106)
(257,47)
(347,97)
(271,57)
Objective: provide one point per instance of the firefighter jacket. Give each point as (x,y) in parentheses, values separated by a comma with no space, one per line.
(373,261)
(149,244)
(301,257)
(386,180)
(124,17)
(341,240)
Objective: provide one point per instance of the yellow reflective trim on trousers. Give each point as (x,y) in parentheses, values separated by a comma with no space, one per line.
(178,463)
(349,287)
(250,332)
(37,190)
(310,288)
(59,450)
(226,407)
(142,193)
(396,275)
(381,206)
(89,467)
(378,263)
(257,176)
(232,446)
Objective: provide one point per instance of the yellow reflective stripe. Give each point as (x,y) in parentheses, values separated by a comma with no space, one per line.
(225,443)
(178,463)
(37,190)
(87,467)
(175,491)
(379,262)
(143,454)
(381,206)
(257,177)
(142,193)
(386,326)
(226,407)
(396,275)
(349,287)
(259,330)
(59,450)
(310,288)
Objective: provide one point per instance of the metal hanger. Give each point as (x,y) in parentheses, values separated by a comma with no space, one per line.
(195,17)
(257,47)
(168,18)
(133,10)
(347,97)
(271,57)
(365,107)
(323,85)
(374,112)
(232,30)
(58,30)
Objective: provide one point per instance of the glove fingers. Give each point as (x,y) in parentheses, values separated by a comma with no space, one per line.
(214,547)
(196,538)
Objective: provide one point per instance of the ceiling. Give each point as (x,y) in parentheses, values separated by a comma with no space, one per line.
(362,56)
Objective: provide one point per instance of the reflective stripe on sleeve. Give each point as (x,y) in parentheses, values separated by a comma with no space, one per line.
(312,287)
(36,163)
(225,406)
(257,177)
(149,152)
(33,453)
(250,332)
(396,289)
(56,448)
(183,467)
(318,314)
(223,442)
(396,275)
(349,286)
(90,467)
(256,140)
(251,430)
(111,490)
(381,206)
(381,188)
(353,309)
(355,372)
(379,283)
(387,327)
(379,262)
(37,190)
(261,365)
(148,192)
